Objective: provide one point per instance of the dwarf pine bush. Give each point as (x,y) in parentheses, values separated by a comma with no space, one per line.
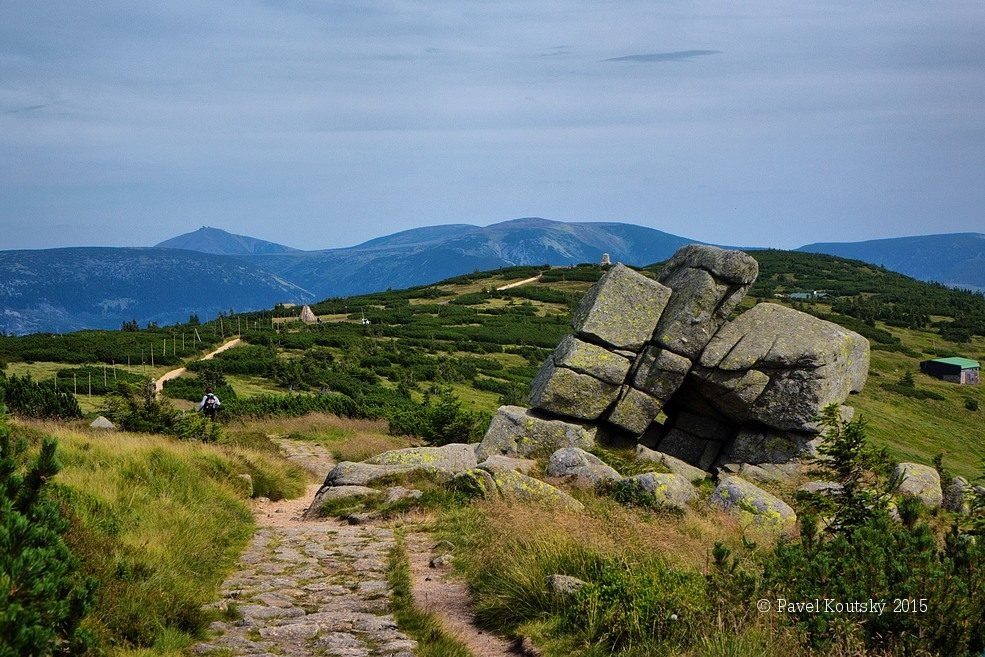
(42,596)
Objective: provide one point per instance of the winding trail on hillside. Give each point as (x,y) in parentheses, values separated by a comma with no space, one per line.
(518,283)
(174,374)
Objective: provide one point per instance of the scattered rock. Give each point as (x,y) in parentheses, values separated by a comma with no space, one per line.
(441,561)
(497,463)
(752,505)
(621,310)
(956,496)
(564,584)
(330,493)
(677,466)
(668,488)
(821,487)
(397,493)
(514,484)
(452,458)
(516,431)
(921,481)
(585,468)
(102,423)
(477,483)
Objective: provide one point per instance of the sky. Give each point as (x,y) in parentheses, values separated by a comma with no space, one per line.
(323,124)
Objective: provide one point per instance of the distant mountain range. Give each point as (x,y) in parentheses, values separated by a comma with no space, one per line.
(954,259)
(210,270)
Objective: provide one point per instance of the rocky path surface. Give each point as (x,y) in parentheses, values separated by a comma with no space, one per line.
(308,588)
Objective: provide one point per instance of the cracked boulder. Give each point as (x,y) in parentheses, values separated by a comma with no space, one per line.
(779,367)
(707,283)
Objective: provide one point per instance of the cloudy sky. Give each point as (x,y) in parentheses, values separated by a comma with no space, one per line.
(322,124)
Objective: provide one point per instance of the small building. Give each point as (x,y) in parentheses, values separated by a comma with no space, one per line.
(606,260)
(808,296)
(956,370)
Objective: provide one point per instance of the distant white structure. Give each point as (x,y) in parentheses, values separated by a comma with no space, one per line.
(606,261)
(307,316)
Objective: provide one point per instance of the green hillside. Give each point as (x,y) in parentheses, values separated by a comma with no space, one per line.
(421,349)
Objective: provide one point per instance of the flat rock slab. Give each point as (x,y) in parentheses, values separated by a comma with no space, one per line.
(349,473)
(452,458)
(674,465)
(330,595)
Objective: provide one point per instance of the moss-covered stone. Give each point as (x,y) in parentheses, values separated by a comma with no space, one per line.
(593,360)
(452,458)
(568,393)
(666,488)
(921,481)
(622,309)
(519,432)
(752,506)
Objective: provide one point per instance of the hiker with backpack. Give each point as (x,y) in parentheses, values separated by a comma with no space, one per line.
(210,404)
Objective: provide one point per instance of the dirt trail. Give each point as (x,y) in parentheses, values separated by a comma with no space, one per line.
(174,374)
(518,283)
(447,598)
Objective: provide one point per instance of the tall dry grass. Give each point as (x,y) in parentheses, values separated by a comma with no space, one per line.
(158,523)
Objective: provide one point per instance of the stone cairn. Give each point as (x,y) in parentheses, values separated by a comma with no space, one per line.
(732,393)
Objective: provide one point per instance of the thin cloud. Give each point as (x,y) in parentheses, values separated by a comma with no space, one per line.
(675,56)
(23,110)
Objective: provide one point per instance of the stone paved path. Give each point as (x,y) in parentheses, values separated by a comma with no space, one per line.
(313,588)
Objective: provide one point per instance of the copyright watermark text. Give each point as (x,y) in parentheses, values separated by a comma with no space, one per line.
(834,606)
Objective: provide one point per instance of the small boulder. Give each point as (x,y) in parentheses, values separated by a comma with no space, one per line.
(584,468)
(752,505)
(497,463)
(921,481)
(564,584)
(102,423)
(516,485)
(348,473)
(677,466)
(519,432)
(668,488)
(441,561)
(452,458)
(622,309)
(956,496)
(823,488)
(477,483)
(398,493)
(331,493)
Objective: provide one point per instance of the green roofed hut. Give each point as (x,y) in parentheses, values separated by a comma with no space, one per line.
(955,370)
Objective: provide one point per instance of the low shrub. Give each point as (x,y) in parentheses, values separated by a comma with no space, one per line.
(43,594)
(25,397)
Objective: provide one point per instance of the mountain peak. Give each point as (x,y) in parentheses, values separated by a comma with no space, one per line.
(220,242)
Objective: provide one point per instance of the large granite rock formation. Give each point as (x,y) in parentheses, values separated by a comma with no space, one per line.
(745,391)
